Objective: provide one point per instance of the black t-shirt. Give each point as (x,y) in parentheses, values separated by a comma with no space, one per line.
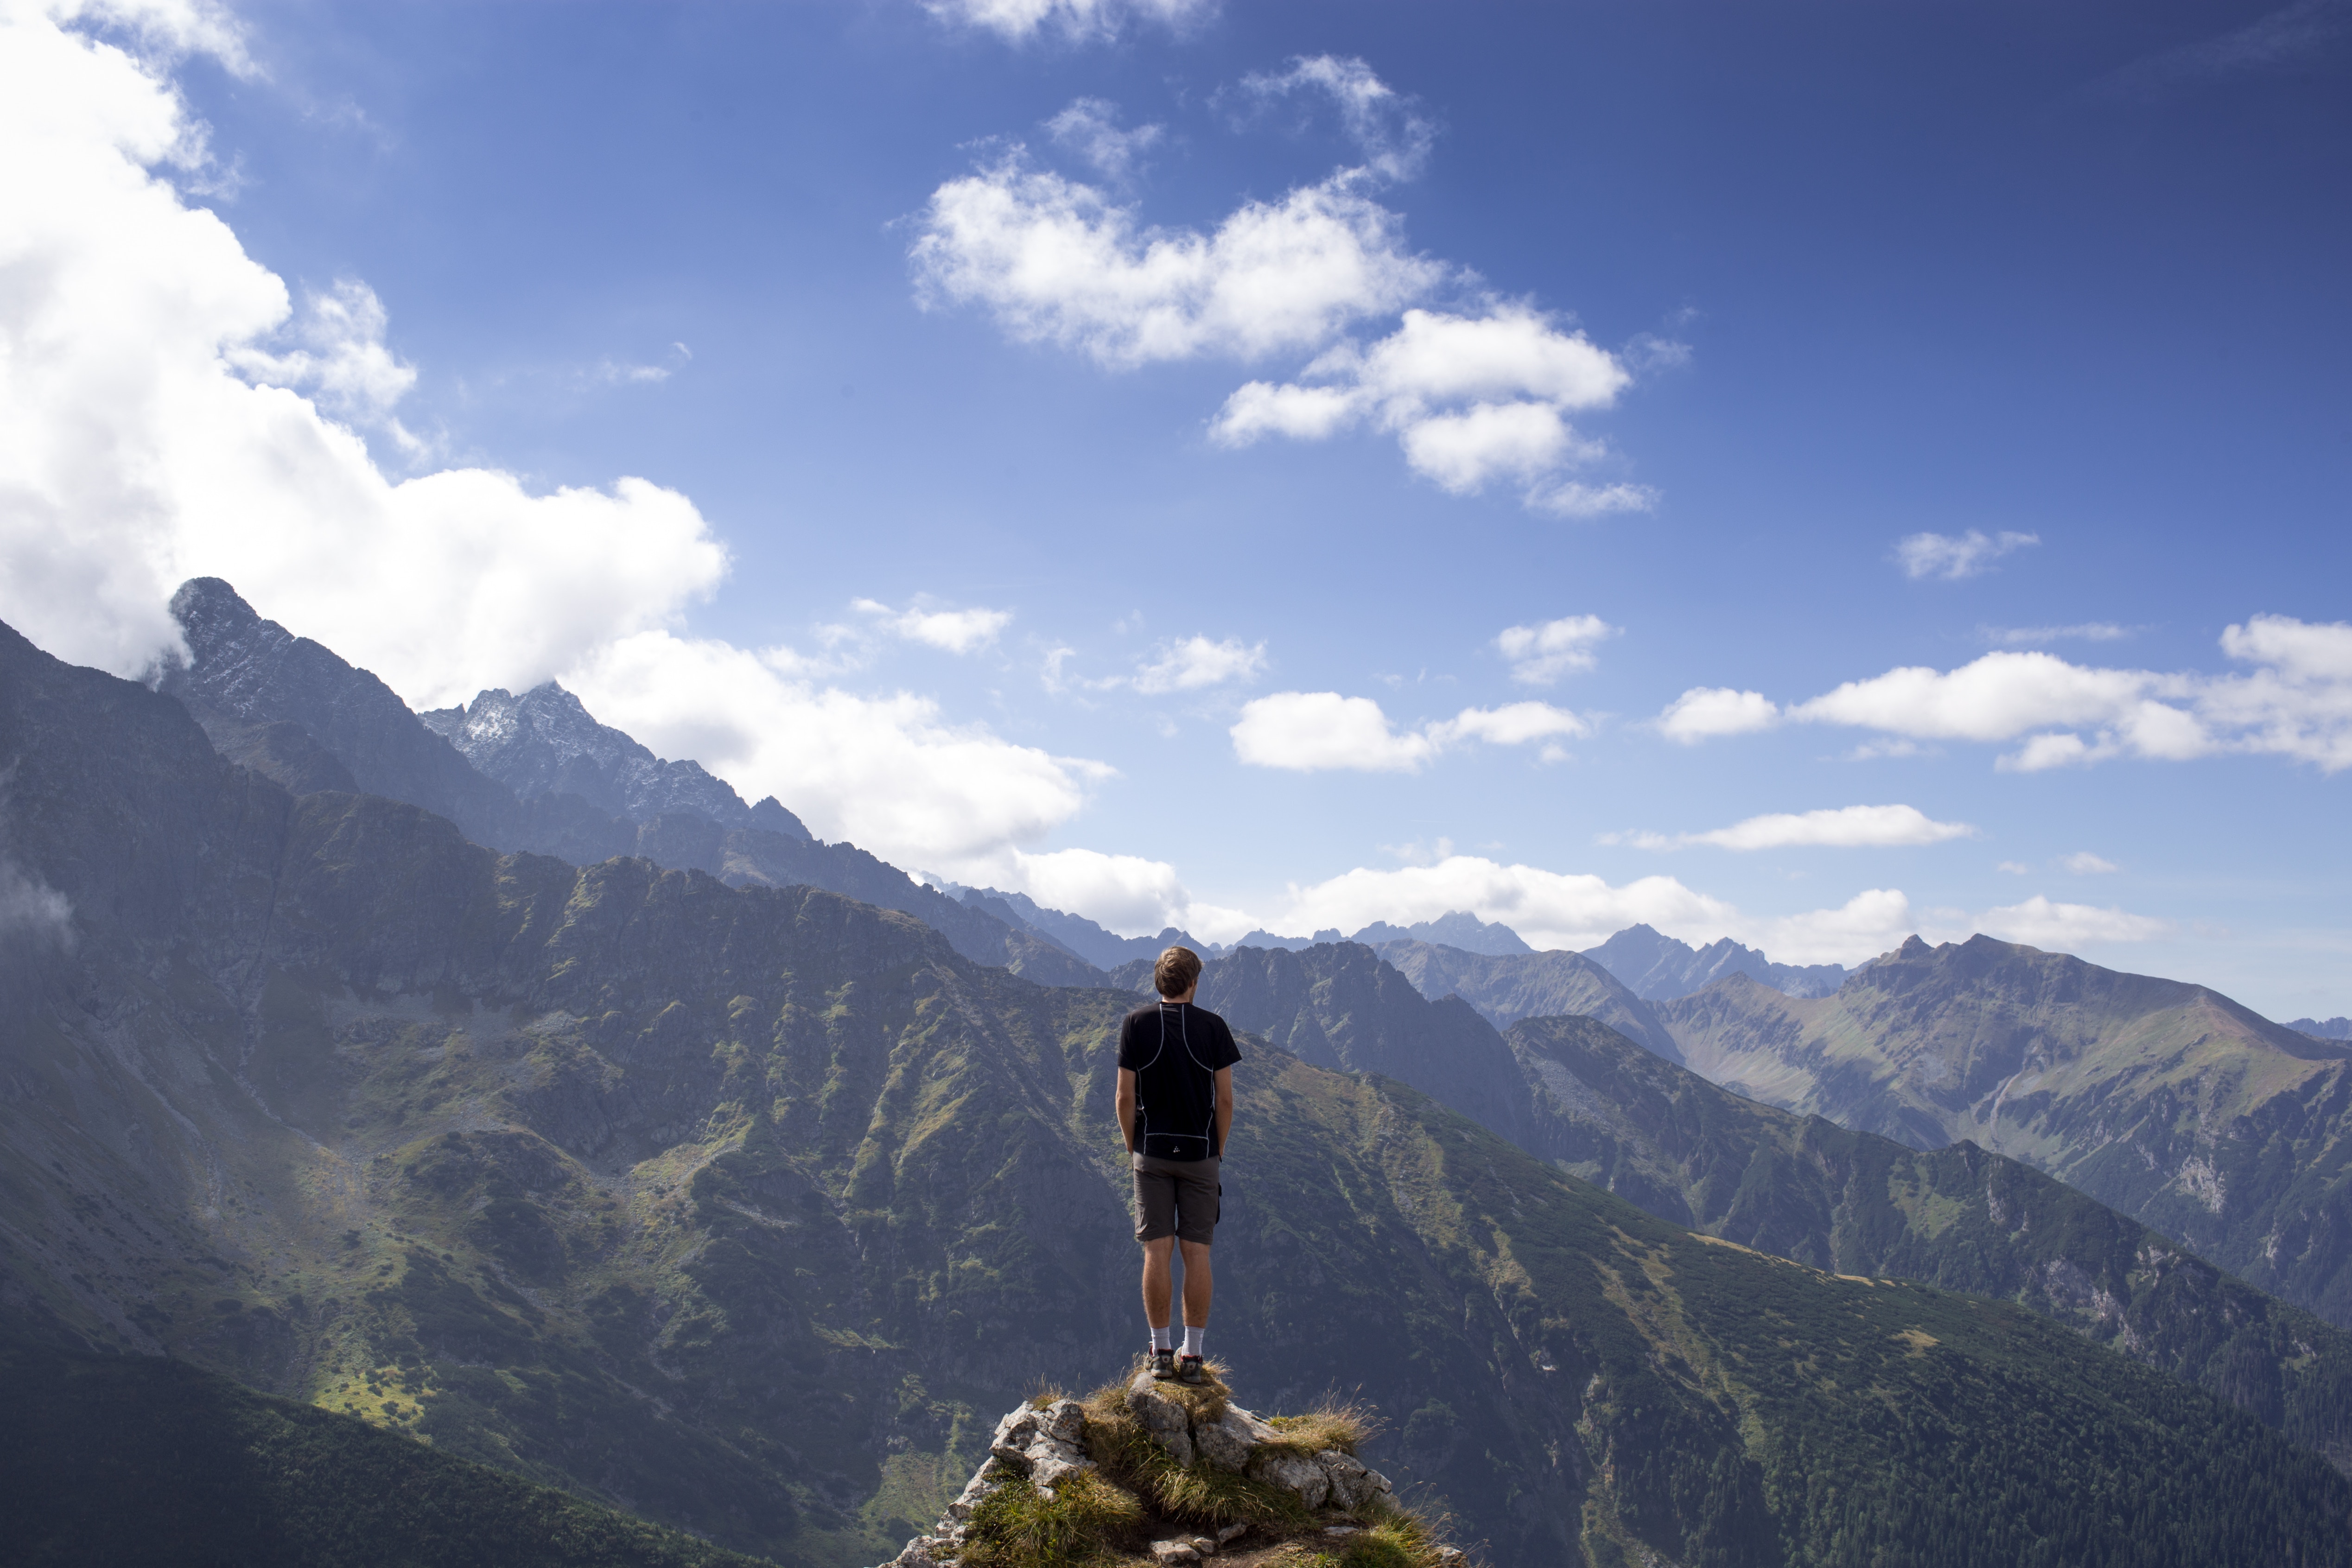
(1175,1050)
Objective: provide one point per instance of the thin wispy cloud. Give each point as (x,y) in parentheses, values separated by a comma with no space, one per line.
(2041,636)
(951,630)
(1090,129)
(1542,653)
(2082,863)
(1390,135)
(1845,827)
(1198,663)
(1952,557)
(2292,37)
(1019,21)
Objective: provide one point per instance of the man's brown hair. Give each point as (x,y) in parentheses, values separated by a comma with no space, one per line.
(1178,971)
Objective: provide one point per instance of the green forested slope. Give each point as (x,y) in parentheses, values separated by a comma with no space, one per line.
(140,1459)
(731,1206)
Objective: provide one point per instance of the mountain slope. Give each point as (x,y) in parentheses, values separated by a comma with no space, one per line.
(2166,1100)
(1657,966)
(731,1203)
(1579,1095)
(292,710)
(144,1460)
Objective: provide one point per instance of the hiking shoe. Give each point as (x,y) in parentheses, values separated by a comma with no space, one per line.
(1192,1369)
(1163,1363)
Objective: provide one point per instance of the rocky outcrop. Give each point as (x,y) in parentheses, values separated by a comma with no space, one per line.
(1046,1444)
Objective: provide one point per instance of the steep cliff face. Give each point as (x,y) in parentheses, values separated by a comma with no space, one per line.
(293,711)
(734,1205)
(2166,1100)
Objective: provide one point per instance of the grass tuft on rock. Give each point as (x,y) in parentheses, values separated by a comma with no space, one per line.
(1084,1521)
(1199,1495)
(1392,1538)
(1331,1425)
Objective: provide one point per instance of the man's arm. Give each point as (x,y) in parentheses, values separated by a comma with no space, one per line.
(1224,1105)
(1127,1106)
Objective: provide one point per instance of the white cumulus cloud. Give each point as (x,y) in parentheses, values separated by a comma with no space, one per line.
(1705,711)
(2295,701)
(2082,863)
(1844,827)
(1953,556)
(1056,261)
(955,631)
(1308,732)
(1471,399)
(1475,395)
(1540,654)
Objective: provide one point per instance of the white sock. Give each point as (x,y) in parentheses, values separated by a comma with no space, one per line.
(1161,1338)
(1193,1338)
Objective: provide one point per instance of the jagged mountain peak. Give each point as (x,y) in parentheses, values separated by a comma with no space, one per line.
(1657,966)
(1456,928)
(545,741)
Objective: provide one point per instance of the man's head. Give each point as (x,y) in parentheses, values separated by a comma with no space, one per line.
(1178,971)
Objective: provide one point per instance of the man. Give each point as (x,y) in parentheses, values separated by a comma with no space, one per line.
(1175,1107)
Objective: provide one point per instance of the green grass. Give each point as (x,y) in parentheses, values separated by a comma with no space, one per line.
(1086,1520)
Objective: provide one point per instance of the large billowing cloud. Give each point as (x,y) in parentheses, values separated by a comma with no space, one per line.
(1475,394)
(169,413)
(2293,700)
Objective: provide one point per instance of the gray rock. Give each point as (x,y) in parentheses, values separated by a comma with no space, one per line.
(1175,1551)
(1043,1444)
(1226,1442)
(1232,1531)
(1351,1484)
(1294,1473)
(1162,1417)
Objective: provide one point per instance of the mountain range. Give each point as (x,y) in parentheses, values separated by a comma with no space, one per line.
(700,1190)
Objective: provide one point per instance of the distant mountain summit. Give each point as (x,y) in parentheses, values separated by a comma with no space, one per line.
(1456,928)
(2328,1028)
(545,742)
(1656,967)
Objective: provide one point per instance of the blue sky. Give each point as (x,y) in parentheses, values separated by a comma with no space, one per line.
(1714,306)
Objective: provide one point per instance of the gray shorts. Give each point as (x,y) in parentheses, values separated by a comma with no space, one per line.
(1176,1197)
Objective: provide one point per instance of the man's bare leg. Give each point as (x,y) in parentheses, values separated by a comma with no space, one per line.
(1158,1288)
(1198,1284)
